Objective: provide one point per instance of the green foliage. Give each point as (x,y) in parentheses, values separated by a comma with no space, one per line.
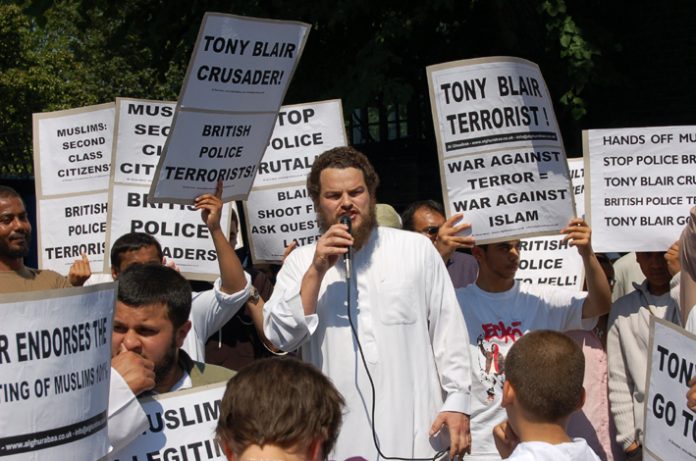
(370,53)
(576,53)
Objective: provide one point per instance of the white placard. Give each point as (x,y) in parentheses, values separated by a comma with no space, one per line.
(242,64)
(181,426)
(279,209)
(72,161)
(302,132)
(641,187)
(142,129)
(501,154)
(72,150)
(73,225)
(491,103)
(510,194)
(55,364)
(205,147)
(670,426)
(276,217)
(549,260)
(236,80)
(179,228)
(576,167)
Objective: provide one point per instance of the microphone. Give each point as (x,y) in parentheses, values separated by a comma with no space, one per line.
(345,219)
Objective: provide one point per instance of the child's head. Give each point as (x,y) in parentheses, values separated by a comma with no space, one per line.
(282,403)
(545,370)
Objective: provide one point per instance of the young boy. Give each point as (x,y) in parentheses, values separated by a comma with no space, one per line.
(543,386)
(279,409)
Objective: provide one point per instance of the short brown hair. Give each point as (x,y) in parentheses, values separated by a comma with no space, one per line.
(282,402)
(341,157)
(546,369)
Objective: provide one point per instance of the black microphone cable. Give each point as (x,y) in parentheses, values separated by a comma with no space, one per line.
(437,455)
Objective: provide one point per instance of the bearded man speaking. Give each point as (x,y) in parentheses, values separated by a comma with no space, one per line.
(397,349)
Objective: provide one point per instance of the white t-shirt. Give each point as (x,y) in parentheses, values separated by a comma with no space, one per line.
(577,450)
(494,322)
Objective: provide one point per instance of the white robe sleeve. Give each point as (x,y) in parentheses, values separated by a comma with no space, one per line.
(126,419)
(284,321)
(449,337)
(211,309)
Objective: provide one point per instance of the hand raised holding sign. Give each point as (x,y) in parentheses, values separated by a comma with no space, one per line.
(211,207)
(80,271)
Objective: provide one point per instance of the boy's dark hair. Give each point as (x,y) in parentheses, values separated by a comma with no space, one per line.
(280,401)
(546,369)
(407,215)
(341,157)
(142,285)
(132,241)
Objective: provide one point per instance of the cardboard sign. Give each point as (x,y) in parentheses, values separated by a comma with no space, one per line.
(642,185)
(279,209)
(670,426)
(55,364)
(72,161)
(142,128)
(236,80)
(181,426)
(549,260)
(502,159)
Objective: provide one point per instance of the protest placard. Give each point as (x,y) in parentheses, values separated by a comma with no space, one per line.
(301,133)
(55,363)
(642,183)
(279,209)
(670,426)
(142,127)
(276,217)
(71,226)
(72,163)
(181,427)
(502,160)
(235,83)
(549,260)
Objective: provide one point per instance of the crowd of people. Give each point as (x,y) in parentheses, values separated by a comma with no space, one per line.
(377,342)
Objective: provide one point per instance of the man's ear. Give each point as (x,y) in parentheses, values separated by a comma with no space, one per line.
(508,394)
(114,272)
(581,400)
(477,253)
(182,332)
(229,454)
(316,450)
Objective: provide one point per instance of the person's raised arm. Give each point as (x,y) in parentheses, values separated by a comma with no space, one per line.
(598,301)
(231,272)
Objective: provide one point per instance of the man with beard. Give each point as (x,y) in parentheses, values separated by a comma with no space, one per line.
(149,327)
(15,237)
(397,352)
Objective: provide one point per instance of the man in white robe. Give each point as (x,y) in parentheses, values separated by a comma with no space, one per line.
(405,314)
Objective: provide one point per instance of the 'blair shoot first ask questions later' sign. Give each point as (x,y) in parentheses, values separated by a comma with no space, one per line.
(236,80)
(501,154)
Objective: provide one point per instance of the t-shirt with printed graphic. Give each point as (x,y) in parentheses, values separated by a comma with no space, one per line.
(494,322)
